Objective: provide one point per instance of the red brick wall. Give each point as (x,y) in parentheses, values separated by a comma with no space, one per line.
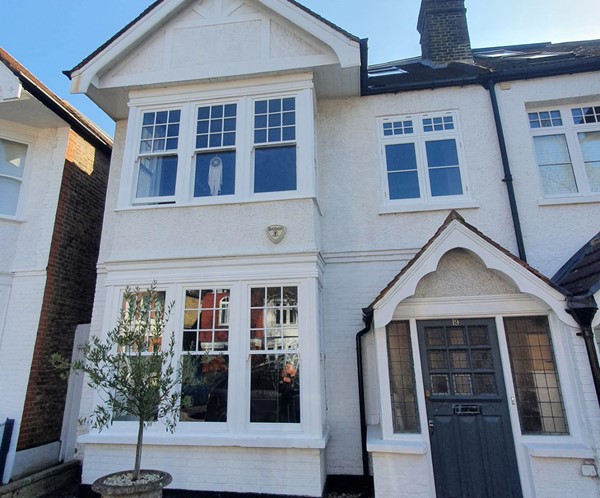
(69,292)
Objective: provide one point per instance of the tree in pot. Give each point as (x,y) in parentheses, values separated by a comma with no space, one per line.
(134,372)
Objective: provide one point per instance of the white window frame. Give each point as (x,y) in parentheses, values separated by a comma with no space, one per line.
(569,130)
(22,179)
(244,97)
(237,430)
(419,138)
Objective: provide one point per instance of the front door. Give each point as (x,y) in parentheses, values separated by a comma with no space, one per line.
(469,426)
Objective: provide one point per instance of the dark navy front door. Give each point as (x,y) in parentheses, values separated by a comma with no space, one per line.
(469,426)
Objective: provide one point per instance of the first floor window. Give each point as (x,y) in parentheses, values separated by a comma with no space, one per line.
(157,155)
(537,386)
(275,145)
(421,155)
(12,162)
(566,140)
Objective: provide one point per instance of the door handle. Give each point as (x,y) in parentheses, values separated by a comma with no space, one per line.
(431,428)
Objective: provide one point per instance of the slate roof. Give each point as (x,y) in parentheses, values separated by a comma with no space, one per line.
(581,274)
(53,102)
(492,63)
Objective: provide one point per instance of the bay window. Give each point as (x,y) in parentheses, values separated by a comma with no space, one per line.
(250,358)
(566,141)
(210,150)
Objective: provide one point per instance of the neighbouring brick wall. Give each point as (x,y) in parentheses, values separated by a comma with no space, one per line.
(70,284)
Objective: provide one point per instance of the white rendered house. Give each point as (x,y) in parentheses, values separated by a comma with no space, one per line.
(274,185)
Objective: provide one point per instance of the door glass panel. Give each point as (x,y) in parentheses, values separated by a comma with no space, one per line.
(478,336)
(456,336)
(437,360)
(485,384)
(459,359)
(439,384)
(482,360)
(462,384)
(435,336)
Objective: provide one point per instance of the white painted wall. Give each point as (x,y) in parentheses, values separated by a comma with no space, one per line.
(553,233)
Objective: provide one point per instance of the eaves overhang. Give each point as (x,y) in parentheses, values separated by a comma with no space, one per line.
(86,77)
(54,103)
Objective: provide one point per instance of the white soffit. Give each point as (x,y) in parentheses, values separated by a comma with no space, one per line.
(236,38)
(456,235)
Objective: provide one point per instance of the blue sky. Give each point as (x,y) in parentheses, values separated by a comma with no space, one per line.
(50,36)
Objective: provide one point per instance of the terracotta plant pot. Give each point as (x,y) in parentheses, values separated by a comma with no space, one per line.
(143,489)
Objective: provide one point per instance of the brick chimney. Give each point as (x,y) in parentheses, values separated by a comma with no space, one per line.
(444,32)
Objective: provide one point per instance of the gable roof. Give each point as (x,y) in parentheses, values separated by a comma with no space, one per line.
(580,276)
(57,105)
(511,62)
(454,233)
(155,5)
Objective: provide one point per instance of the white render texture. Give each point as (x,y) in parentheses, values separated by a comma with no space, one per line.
(228,469)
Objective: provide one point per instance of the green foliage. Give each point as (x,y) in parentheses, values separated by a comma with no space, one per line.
(134,369)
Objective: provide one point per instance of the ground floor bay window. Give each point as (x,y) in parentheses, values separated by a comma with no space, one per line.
(251,356)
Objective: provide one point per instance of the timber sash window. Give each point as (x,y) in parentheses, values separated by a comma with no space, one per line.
(274,355)
(422,158)
(206,355)
(157,160)
(12,162)
(567,147)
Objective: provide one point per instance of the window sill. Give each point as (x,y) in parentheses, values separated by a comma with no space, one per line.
(390,208)
(186,438)
(220,202)
(588,199)
(559,450)
(11,219)
(407,444)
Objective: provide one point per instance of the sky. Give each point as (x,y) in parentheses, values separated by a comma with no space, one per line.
(51,36)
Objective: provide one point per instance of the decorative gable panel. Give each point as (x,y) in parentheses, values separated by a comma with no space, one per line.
(218,38)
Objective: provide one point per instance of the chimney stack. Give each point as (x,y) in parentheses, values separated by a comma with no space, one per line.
(444,32)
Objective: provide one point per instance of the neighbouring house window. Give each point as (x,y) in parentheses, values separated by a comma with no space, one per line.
(158,158)
(211,150)
(215,150)
(274,355)
(405,414)
(537,386)
(422,157)
(275,145)
(567,147)
(206,355)
(12,162)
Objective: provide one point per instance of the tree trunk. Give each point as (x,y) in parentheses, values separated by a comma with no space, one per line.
(138,451)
